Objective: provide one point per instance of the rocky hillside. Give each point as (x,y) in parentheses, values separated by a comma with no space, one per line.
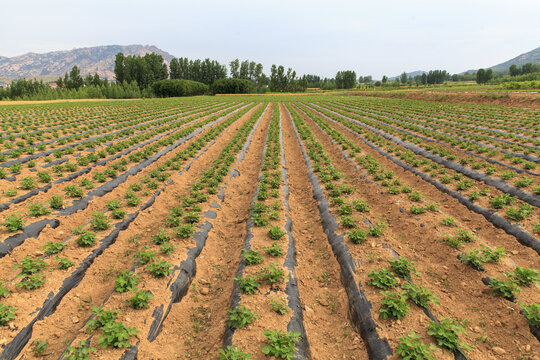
(532,56)
(50,65)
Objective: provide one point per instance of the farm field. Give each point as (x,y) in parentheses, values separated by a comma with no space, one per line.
(295,227)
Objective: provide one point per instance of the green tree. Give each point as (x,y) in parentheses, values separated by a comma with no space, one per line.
(119,68)
(403,78)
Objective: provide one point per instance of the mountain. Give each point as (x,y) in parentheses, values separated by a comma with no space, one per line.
(51,65)
(409,74)
(532,56)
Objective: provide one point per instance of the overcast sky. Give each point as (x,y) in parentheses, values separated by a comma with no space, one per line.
(372,37)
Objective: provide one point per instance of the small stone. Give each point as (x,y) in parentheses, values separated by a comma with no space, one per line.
(463,284)
(204,291)
(203,282)
(12,326)
(59,235)
(3,341)
(527,348)
(373,244)
(515,252)
(498,350)
(75,319)
(476,329)
(445,267)
(309,310)
(38,253)
(128,319)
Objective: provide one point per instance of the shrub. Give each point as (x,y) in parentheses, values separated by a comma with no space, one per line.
(176,87)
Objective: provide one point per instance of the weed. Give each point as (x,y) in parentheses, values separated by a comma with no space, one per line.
(233,353)
(40,346)
(79,352)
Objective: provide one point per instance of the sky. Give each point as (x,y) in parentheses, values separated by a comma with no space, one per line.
(371,37)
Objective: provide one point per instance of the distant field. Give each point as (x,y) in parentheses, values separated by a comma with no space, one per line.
(173,228)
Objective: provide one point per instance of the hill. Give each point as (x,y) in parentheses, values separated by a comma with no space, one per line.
(409,74)
(532,56)
(51,65)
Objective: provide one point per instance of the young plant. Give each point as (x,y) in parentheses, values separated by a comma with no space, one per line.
(184,231)
(37,210)
(63,263)
(74,191)
(403,267)
(278,305)
(116,335)
(506,289)
(3,291)
(411,348)
(160,269)
(446,334)
(272,274)
(99,221)
(274,249)
(394,305)
(79,352)
(240,317)
(56,202)
(13,223)
(30,266)
(233,353)
(161,237)
(383,279)
(419,294)
(248,284)
(251,257)
(31,282)
(145,256)
(126,281)
(53,247)
(275,233)
(524,276)
(7,313)
(86,239)
(377,230)
(531,312)
(140,299)
(166,248)
(357,236)
(281,344)
(40,346)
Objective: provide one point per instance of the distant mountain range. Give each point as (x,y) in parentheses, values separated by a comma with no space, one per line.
(409,74)
(51,65)
(532,56)
(100,59)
